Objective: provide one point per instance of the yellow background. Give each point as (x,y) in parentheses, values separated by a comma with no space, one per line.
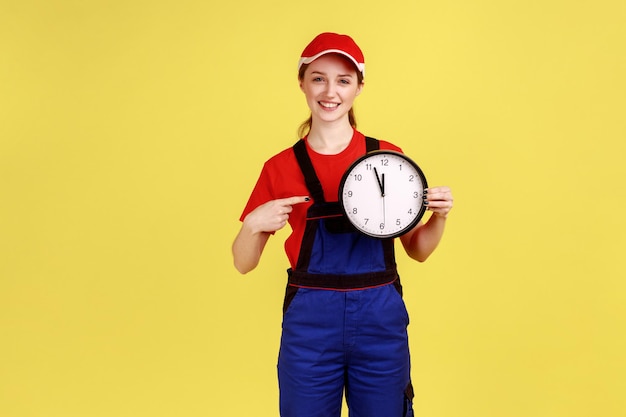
(131,133)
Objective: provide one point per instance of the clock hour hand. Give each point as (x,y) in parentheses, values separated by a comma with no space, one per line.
(381,182)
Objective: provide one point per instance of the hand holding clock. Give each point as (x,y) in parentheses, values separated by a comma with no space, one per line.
(420,242)
(439,200)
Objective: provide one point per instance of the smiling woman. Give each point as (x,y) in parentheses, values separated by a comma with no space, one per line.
(306,126)
(331,84)
(345,322)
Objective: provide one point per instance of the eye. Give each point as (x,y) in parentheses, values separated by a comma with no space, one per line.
(344,81)
(318,79)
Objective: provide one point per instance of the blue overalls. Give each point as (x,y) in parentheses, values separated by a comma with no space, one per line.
(344,322)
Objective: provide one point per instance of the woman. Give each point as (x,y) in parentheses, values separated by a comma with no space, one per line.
(344,323)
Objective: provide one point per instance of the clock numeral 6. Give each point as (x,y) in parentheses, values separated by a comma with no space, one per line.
(382,226)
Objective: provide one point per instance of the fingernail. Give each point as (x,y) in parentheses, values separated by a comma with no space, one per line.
(306,198)
(425,203)
(425,191)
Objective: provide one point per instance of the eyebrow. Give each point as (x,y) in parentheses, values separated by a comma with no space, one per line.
(323,73)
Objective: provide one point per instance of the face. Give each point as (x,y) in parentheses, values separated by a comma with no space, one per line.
(330,84)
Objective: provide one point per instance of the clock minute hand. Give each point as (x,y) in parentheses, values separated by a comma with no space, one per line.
(381,184)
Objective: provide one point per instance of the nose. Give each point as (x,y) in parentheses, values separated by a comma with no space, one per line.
(330,89)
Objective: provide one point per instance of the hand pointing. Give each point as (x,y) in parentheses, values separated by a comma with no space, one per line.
(273,215)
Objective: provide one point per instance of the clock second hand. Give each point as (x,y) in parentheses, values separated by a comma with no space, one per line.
(384,214)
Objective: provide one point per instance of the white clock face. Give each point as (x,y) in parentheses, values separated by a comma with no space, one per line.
(382,194)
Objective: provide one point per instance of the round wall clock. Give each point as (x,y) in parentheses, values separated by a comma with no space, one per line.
(382,194)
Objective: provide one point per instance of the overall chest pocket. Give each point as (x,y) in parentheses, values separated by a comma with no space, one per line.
(338,247)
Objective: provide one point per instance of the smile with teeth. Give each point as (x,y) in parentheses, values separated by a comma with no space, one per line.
(328,105)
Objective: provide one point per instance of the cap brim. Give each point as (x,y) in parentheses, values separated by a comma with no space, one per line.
(307,60)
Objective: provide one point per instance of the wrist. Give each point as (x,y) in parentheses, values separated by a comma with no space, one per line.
(250,226)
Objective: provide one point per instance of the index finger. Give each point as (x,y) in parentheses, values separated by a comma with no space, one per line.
(290,201)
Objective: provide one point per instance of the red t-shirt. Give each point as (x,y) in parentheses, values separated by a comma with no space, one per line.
(281,177)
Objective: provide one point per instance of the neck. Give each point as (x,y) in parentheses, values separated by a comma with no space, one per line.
(330,139)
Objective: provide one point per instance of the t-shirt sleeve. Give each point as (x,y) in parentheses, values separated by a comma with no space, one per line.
(261,193)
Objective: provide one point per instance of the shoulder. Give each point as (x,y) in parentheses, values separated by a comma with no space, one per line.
(284,158)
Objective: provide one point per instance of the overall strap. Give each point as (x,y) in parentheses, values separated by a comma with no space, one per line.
(371,144)
(306,166)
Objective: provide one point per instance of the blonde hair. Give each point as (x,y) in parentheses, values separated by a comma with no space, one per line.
(305,127)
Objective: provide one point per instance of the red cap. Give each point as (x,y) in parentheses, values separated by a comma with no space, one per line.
(333,43)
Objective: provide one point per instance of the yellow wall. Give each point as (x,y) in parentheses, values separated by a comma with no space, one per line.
(131,133)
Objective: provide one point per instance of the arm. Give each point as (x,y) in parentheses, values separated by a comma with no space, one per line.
(421,242)
(247,248)
(256,229)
